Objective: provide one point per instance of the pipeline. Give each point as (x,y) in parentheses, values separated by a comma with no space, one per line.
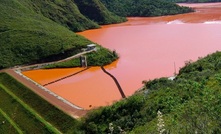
(116,82)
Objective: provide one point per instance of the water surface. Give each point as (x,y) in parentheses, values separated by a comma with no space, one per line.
(148,49)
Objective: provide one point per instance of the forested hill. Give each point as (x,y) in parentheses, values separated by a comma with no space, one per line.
(193,1)
(144,7)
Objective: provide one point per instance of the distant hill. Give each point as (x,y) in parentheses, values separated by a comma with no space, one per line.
(193,1)
(144,7)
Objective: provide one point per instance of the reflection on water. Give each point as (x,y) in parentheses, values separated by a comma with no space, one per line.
(148,48)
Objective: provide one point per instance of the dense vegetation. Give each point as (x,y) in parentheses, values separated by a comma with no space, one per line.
(189,104)
(19,102)
(144,7)
(193,1)
(32,31)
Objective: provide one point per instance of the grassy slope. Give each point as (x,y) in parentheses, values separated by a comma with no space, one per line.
(20,115)
(31,31)
(190,103)
(48,112)
(26,36)
(6,125)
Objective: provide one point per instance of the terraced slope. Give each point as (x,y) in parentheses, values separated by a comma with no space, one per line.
(26,112)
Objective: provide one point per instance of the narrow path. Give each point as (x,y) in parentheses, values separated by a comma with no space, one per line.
(116,82)
(11,121)
(38,66)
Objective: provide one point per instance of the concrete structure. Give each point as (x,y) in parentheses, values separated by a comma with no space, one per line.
(91,47)
(83,61)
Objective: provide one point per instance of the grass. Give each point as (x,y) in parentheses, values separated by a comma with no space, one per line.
(32,111)
(67,64)
(48,112)
(22,117)
(8,125)
(101,57)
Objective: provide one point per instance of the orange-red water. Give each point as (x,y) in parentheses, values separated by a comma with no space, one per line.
(148,48)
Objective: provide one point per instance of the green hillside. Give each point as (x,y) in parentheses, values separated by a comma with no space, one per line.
(27,36)
(76,15)
(144,7)
(189,104)
(31,31)
(63,12)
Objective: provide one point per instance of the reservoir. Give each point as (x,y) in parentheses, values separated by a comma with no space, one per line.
(148,48)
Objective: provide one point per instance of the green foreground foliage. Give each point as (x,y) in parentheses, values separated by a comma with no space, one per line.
(24,118)
(190,104)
